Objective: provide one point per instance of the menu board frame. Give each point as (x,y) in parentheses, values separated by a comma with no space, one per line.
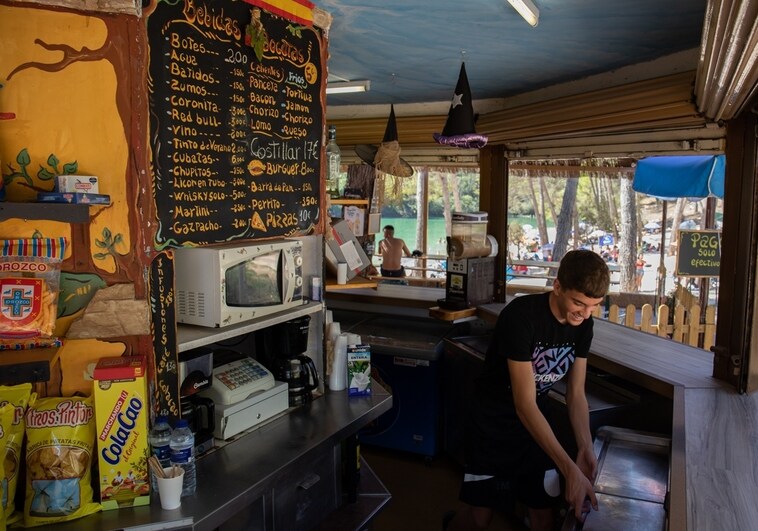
(165,363)
(237,119)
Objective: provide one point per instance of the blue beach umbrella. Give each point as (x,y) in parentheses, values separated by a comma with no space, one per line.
(668,178)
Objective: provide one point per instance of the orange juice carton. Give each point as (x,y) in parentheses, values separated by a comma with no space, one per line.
(121,413)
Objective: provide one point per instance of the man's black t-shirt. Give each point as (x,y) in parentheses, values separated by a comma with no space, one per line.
(526,330)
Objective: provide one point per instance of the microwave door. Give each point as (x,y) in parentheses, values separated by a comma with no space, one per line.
(286,276)
(235,286)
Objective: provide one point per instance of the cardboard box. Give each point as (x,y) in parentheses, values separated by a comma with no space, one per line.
(121,412)
(355,218)
(84,184)
(342,246)
(359,370)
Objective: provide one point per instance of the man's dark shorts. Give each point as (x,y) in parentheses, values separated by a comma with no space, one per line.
(533,487)
(518,469)
(396,273)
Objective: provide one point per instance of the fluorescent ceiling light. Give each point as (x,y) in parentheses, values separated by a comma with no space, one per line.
(344,87)
(527,10)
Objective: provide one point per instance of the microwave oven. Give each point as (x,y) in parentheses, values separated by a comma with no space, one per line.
(221,286)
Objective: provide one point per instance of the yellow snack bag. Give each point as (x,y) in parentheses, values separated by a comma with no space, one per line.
(17,397)
(60,435)
(29,281)
(6,420)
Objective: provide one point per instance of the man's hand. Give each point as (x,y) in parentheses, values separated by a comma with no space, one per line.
(578,490)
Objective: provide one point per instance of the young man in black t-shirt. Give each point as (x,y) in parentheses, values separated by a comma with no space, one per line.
(511,449)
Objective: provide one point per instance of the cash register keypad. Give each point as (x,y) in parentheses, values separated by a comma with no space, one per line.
(241,372)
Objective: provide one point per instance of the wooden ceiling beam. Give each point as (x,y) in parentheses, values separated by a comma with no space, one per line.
(659,104)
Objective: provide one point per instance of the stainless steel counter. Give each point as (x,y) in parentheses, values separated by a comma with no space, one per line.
(234,476)
(714,460)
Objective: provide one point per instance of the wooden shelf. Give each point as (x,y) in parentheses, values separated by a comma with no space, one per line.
(353,283)
(454,316)
(65,212)
(31,365)
(422,282)
(340,201)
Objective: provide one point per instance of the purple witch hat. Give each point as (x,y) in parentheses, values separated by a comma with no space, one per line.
(459,129)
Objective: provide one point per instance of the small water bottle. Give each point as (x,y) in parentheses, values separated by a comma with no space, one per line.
(159,438)
(183,454)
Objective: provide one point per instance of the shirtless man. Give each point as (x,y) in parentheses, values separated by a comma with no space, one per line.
(391,250)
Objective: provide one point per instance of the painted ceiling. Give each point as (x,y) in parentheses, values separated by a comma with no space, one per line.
(411,50)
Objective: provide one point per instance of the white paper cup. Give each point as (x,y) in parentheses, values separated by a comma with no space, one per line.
(341,273)
(170,489)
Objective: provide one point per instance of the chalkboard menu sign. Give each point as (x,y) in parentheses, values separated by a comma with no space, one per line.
(236,122)
(163,323)
(699,253)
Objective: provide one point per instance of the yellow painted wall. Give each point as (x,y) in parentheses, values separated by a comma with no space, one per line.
(62,91)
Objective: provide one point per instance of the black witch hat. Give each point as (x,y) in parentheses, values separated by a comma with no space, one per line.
(459,129)
(386,157)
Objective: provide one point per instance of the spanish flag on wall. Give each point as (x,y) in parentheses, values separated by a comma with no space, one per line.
(296,10)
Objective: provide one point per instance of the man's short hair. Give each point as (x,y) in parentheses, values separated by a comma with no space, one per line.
(586,272)
(389,227)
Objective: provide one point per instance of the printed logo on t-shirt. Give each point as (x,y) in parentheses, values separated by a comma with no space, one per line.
(550,364)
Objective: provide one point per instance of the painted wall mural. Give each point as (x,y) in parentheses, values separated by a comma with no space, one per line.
(70,98)
(67,94)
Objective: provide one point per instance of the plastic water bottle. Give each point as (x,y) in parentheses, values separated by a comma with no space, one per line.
(183,454)
(160,436)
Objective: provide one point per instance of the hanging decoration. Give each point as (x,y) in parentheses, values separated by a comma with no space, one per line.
(459,129)
(255,33)
(300,11)
(386,157)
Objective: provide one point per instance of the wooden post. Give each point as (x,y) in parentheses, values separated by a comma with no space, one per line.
(493,199)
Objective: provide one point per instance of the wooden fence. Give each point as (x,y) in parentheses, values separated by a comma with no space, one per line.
(685,327)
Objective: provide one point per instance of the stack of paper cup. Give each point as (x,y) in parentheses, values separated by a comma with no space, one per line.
(338,376)
(333,332)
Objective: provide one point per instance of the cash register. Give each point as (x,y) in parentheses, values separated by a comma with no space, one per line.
(244,393)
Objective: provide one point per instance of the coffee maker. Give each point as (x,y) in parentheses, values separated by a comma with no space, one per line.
(281,349)
(195,374)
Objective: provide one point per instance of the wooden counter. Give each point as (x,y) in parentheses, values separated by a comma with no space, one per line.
(714,456)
